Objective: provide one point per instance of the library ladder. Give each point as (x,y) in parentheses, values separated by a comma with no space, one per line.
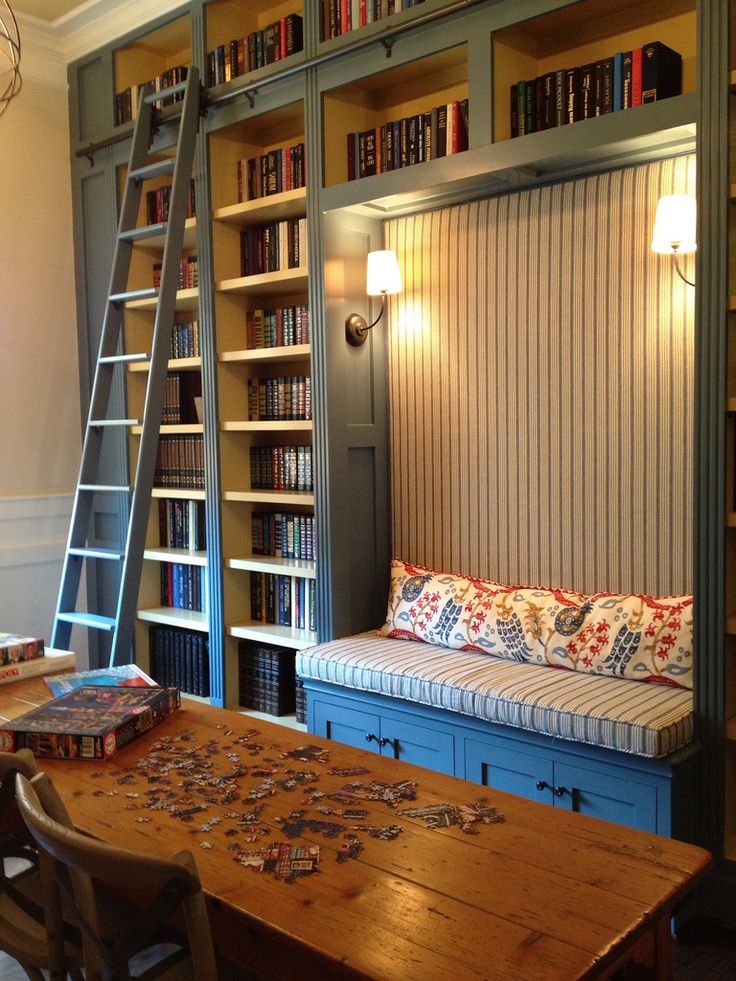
(143,166)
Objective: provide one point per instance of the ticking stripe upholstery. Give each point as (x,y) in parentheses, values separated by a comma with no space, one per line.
(629,716)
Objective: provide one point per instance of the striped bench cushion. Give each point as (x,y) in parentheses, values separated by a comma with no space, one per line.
(628,716)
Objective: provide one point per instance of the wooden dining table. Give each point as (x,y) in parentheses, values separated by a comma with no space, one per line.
(320,860)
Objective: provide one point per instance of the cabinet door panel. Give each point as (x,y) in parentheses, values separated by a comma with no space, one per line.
(611,798)
(505,768)
(419,744)
(347,725)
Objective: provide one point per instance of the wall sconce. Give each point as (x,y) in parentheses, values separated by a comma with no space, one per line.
(674,228)
(382,277)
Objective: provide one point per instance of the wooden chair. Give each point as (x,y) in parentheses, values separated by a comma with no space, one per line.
(77,869)
(22,930)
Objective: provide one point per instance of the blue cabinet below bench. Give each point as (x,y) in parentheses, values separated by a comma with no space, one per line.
(650,794)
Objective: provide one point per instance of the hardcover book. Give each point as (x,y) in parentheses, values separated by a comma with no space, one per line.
(89,723)
(51,662)
(661,72)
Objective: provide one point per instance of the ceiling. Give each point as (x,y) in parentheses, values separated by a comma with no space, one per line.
(48,10)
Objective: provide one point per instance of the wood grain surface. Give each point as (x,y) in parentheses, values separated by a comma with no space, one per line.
(544,893)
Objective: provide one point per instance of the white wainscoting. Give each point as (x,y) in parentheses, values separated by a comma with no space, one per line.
(33,533)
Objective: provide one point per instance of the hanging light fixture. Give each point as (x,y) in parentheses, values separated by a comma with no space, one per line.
(10,80)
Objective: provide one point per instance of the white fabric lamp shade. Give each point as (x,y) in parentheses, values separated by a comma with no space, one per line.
(674,224)
(383,274)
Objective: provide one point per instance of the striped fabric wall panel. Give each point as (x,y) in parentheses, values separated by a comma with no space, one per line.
(541,387)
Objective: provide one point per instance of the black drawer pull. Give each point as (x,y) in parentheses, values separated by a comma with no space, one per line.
(371,737)
(543,785)
(561,791)
(384,741)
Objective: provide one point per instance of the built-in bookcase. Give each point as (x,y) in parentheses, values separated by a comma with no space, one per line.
(400,93)
(152,56)
(259,195)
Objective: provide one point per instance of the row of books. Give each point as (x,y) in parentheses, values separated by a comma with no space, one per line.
(283,169)
(185,340)
(181,524)
(16,647)
(285,601)
(277,327)
(282,535)
(180,461)
(158,201)
(126,102)
(622,81)
(281,468)
(180,391)
(282,398)
(181,658)
(183,586)
(341,16)
(277,245)
(266,678)
(438,133)
(278,40)
(188,273)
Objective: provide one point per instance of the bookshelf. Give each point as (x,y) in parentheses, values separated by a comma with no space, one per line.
(469,50)
(173,588)
(264,364)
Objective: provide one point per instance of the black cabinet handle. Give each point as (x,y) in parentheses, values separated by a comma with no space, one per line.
(384,741)
(561,791)
(543,785)
(371,737)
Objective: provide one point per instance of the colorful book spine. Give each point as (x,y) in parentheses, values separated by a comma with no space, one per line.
(16,647)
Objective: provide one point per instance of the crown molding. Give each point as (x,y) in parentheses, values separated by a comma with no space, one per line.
(98,22)
(41,57)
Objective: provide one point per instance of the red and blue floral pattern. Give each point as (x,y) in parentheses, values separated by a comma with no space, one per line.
(643,638)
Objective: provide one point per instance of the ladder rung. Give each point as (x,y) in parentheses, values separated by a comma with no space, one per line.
(97,553)
(89,620)
(105,488)
(125,358)
(114,422)
(167,92)
(156,169)
(145,294)
(143,232)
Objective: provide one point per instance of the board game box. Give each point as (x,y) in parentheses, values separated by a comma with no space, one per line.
(89,723)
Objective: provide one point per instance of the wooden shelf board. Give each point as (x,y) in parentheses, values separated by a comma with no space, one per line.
(732,303)
(269,497)
(648,132)
(156,242)
(731,404)
(271,633)
(731,519)
(303,568)
(184,556)
(175,364)
(179,493)
(731,728)
(168,616)
(274,207)
(275,426)
(171,429)
(280,283)
(186,300)
(731,625)
(290,352)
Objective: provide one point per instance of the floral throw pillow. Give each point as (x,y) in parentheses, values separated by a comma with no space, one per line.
(643,638)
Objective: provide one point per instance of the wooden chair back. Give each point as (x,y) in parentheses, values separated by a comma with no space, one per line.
(74,864)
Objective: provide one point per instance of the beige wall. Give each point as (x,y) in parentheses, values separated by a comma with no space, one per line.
(39,383)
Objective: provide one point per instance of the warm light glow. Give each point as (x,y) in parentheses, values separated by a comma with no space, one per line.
(383,274)
(674,225)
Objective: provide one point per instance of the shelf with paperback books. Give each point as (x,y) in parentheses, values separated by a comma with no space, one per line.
(391,120)
(585,60)
(160,56)
(247,38)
